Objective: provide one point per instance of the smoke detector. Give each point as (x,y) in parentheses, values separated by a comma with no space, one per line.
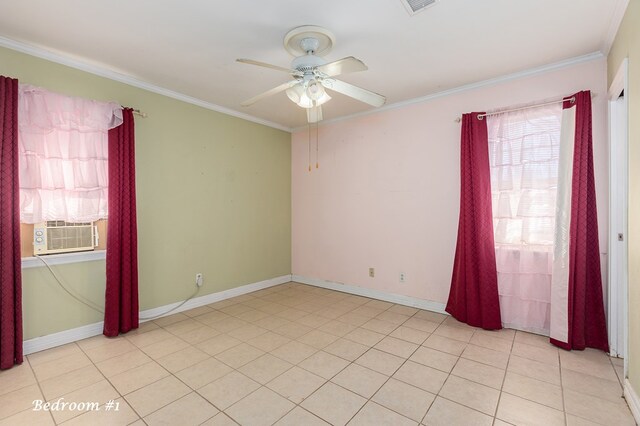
(415,6)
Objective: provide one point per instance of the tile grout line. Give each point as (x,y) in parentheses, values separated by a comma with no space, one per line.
(40,388)
(83,387)
(564,405)
(196,391)
(493,418)
(620,381)
(370,399)
(449,374)
(504,379)
(319,349)
(264,385)
(237,369)
(337,373)
(109,381)
(83,351)
(300,298)
(388,379)
(372,347)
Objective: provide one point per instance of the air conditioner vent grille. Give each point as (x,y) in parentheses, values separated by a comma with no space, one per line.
(69,237)
(57,236)
(414,6)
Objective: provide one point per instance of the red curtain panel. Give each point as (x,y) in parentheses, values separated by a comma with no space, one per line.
(473,297)
(10,258)
(121,299)
(587,324)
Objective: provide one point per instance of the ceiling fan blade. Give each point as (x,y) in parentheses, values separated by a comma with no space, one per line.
(354,92)
(314,114)
(273,91)
(265,65)
(342,66)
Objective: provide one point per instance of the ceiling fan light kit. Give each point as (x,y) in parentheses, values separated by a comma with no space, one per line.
(315,90)
(312,74)
(302,98)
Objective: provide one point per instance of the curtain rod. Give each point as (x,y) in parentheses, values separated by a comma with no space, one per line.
(137,111)
(503,111)
(140,113)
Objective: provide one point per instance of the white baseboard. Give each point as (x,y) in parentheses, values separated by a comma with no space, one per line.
(73,335)
(414,302)
(61,338)
(38,344)
(207,299)
(632,400)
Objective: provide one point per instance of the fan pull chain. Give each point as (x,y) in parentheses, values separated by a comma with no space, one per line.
(309,128)
(317,144)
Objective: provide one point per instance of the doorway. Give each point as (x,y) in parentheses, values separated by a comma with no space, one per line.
(618,194)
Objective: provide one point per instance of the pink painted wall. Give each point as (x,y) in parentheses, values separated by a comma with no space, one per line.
(387,191)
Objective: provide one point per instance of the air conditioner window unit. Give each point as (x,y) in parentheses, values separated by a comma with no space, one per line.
(58,236)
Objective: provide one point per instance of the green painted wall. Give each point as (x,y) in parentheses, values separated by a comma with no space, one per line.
(213,191)
(627,45)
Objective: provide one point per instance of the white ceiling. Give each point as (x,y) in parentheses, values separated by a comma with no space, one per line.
(190,46)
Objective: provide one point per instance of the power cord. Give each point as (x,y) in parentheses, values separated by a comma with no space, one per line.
(69,292)
(97,308)
(172,309)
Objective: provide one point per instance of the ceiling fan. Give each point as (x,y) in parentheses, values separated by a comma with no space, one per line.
(312,74)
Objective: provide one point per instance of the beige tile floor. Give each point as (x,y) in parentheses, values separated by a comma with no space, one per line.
(300,355)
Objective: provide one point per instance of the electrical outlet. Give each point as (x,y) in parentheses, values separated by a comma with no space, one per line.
(372,272)
(199,279)
(403,277)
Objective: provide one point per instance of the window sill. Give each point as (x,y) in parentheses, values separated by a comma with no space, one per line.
(64,258)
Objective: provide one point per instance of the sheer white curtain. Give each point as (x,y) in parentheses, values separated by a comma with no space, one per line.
(524,148)
(63,155)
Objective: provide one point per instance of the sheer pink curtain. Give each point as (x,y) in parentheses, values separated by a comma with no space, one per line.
(63,156)
(523,154)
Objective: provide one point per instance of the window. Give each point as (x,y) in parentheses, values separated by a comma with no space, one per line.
(524,148)
(63,154)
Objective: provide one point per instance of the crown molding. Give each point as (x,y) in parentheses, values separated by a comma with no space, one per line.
(132,81)
(467,87)
(614,25)
(58,58)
